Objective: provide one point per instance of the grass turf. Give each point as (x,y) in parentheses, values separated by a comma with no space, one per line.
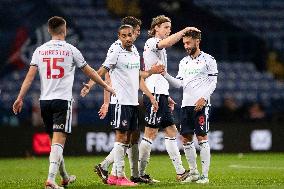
(226,171)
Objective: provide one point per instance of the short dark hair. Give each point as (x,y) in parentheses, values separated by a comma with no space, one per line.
(193,34)
(131,20)
(55,24)
(124,26)
(157,21)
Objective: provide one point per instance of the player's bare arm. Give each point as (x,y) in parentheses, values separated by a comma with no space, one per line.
(155,69)
(18,104)
(172,104)
(146,91)
(87,86)
(104,108)
(174,38)
(95,76)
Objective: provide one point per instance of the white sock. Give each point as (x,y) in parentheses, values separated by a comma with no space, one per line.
(133,155)
(118,165)
(108,160)
(62,170)
(205,156)
(55,158)
(190,154)
(173,151)
(144,155)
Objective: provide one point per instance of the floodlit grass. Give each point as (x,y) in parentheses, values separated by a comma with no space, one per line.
(227,171)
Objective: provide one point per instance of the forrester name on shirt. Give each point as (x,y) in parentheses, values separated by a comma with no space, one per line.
(54,52)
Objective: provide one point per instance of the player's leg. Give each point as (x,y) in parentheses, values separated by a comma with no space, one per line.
(205,158)
(59,118)
(119,149)
(66,179)
(167,122)
(55,158)
(121,125)
(61,113)
(133,154)
(56,150)
(151,130)
(201,130)
(173,151)
(145,149)
(132,151)
(102,168)
(187,130)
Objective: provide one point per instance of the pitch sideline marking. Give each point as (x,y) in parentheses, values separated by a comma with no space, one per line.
(254,167)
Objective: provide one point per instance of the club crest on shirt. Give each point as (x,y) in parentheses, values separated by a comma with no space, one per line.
(124,123)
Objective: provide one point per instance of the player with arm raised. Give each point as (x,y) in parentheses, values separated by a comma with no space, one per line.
(56,61)
(197,76)
(154,51)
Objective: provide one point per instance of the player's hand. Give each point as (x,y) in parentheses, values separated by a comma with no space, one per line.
(199,104)
(154,103)
(191,29)
(110,89)
(103,111)
(85,90)
(17,106)
(157,68)
(172,104)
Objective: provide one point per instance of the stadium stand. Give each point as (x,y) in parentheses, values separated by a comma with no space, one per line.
(240,80)
(263,18)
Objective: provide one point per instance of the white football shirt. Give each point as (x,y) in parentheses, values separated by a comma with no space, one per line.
(156,83)
(124,68)
(56,61)
(199,76)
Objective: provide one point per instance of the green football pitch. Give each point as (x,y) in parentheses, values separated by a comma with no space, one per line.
(227,171)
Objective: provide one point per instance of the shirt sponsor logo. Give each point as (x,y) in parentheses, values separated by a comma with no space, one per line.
(191,71)
(132,65)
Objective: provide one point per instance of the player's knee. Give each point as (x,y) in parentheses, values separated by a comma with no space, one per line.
(171,131)
(202,137)
(186,138)
(122,137)
(150,133)
(59,137)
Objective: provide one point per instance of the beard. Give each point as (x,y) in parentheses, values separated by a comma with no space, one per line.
(128,44)
(192,50)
